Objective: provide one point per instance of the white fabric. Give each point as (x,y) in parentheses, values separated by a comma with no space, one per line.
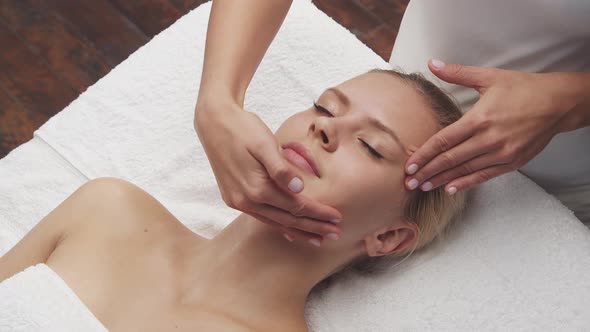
(34,179)
(523,35)
(516,261)
(37,299)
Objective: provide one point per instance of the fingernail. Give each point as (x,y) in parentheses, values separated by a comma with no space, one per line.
(412,168)
(452,190)
(413,183)
(332,236)
(436,63)
(426,186)
(288,237)
(315,242)
(296,185)
(335,221)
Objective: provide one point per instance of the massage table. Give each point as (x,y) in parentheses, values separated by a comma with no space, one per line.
(518,260)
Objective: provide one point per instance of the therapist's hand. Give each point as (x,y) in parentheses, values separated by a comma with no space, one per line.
(253,176)
(515,117)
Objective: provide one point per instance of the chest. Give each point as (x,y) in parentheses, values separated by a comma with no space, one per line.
(130,286)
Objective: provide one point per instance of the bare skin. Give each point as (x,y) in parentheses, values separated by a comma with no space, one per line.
(138,268)
(127,262)
(517,115)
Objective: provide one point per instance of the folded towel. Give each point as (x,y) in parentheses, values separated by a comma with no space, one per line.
(34,179)
(37,299)
(516,260)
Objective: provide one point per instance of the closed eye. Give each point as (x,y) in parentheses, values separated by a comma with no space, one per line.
(321,109)
(374,152)
(371,150)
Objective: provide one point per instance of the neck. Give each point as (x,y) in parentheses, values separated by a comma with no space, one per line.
(252,266)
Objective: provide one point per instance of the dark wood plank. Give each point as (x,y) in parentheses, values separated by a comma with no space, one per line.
(389,11)
(348,14)
(27,78)
(56,42)
(151,16)
(380,40)
(111,32)
(184,6)
(53,46)
(17,124)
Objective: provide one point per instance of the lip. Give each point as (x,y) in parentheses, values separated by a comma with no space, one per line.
(304,152)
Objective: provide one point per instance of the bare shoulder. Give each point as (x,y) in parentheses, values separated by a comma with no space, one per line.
(102,211)
(121,208)
(120,240)
(112,217)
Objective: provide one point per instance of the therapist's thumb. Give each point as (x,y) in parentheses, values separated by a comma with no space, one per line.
(279,171)
(470,76)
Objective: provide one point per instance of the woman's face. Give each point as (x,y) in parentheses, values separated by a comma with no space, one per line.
(360,164)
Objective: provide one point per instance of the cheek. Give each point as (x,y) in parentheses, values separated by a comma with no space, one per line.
(368,208)
(355,189)
(294,126)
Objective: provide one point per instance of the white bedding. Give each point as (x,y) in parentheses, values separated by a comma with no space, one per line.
(518,261)
(38,300)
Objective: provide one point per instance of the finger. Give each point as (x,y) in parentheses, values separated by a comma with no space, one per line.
(303,206)
(277,168)
(470,76)
(483,161)
(476,178)
(264,219)
(442,141)
(292,233)
(467,150)
(286,219)
(299,235)
(298,205)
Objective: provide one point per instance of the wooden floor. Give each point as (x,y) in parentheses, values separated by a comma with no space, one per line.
(52,50)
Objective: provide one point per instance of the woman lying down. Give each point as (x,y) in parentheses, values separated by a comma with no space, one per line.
(137,268)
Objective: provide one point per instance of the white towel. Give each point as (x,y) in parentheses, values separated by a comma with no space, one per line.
(518,260)
(34,179)
(37,299)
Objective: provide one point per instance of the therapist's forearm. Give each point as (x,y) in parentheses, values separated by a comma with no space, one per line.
(238,35)
(582,109)
(576,98)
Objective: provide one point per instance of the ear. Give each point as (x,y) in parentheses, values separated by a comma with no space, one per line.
(391,239)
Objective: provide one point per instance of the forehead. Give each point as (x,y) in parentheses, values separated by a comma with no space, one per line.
(396,103)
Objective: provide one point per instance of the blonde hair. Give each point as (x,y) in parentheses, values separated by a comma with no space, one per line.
(432,211)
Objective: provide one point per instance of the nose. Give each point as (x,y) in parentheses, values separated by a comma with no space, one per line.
(322,128)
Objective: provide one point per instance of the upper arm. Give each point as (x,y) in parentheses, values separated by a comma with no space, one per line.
(40,242)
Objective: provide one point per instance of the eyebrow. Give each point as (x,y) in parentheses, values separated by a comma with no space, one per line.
(373,120)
